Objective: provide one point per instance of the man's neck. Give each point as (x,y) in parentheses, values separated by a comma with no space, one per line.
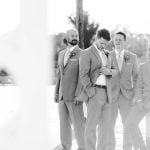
(71,46)
(119,49)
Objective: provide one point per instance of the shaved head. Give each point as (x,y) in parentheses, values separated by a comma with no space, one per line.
(72,37)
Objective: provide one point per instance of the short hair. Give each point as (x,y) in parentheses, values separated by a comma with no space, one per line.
(65,41)
(103,33)
(123,34)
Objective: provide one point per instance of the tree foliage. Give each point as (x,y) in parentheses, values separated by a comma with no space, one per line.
(58,45)
(90,28)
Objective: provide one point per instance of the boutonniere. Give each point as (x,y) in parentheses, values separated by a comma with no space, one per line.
(126,58)
(106,53)
(73,53)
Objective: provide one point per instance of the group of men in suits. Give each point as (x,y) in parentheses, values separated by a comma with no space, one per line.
(107,82)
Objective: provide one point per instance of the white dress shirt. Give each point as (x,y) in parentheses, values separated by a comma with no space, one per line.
(101,80)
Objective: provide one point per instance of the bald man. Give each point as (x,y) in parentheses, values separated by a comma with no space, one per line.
(67,89)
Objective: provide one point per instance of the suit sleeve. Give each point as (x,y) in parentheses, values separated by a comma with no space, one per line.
(79,87)
(57,84)
(139,85)
(79,84)
(84,72)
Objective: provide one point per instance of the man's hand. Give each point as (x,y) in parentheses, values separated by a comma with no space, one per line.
(105,71)
(76,102)
(56,99)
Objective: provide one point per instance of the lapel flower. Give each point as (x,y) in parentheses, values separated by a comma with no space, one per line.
(73,53)
(106,52)
(126,58)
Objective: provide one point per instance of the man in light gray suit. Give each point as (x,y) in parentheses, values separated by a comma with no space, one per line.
(141,106)
(67,88)
(96,70)
(123,91)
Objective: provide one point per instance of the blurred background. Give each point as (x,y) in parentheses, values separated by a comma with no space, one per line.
(87,16)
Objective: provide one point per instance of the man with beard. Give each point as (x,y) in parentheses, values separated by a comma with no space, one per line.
(67,88)
(96,69)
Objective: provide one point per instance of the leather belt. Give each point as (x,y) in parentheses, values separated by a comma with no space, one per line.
(100,86)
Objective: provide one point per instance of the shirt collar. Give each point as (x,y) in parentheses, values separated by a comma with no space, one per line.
(71,49)
(99,51)
(121,53)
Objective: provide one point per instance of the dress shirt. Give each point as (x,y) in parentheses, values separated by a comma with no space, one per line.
(120,56)
(101,80)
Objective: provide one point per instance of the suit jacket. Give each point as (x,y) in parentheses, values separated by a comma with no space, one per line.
(125,80)
(142,89)
(67,83)
(90,64)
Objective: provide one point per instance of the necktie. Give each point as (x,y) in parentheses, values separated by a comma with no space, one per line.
(66,58)
(119,61)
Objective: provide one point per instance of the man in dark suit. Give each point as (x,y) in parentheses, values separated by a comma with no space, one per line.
(141,106)
(96,70)
(67,88)
(123,85)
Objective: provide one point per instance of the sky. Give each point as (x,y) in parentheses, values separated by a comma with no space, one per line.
(9,15)
(134,14)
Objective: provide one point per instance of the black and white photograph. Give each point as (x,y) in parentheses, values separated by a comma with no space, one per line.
(74,75)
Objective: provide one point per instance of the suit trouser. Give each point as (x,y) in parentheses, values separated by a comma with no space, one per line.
(147,124)
(109,141)
(94,110)
(132,122)
(70,113)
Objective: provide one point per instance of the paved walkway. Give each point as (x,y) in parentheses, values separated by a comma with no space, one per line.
(8,105)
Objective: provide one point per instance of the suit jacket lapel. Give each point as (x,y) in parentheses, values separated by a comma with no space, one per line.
(124,63)
(62,60)
(75,50)
(115,57)
(95,52)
